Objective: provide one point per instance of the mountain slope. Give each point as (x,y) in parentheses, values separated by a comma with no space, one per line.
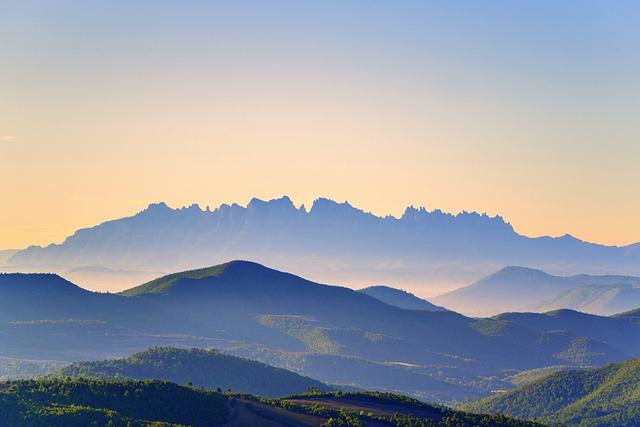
(47,296)
(524,289)
(333,242)
(330,333)
(614,330)
(597,397)
(596,299)
(400,298)
(165,283)
(203,368)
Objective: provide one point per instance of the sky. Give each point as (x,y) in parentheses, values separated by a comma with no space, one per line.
(525,109)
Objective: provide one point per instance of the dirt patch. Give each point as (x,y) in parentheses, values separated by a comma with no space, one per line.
(247,413)
(377,408)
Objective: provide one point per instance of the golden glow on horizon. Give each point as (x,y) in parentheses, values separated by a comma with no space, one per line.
(105,111)
(335,145)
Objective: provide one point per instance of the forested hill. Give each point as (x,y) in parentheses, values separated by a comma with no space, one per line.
(81,403)
(86,402)
(331,333)
(203,368)
(606,396)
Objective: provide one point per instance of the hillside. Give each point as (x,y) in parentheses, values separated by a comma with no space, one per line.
(630,314)
(83,402)
(400,298)
(165,283)
(203,368)
(527,289)
(332,334)
(80,402)
(47,296)
(606,300)
(421,251)
(604,396)
(613,330)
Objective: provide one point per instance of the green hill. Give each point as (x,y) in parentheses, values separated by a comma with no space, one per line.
(202,368)
(82,402)
(605,396)
(331,333)
(165,283)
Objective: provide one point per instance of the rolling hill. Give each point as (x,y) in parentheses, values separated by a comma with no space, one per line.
(333,334)
(87,402)
(202,368)
(527,289)
(400,298)
(80,402)
(332,242)
(604,396)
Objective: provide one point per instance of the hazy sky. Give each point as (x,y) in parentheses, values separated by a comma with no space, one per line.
(530,109)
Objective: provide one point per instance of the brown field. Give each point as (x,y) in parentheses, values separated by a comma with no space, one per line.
(377,408)
(248,413)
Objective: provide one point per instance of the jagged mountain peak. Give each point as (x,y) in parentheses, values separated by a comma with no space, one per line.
(335,241)
(284,201)
(157,207)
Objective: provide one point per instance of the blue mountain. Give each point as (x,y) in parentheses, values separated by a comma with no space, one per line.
(330,242)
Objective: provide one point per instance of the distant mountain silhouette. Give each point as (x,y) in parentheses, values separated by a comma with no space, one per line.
(606,300)
(334,334)
(332,242)
(400,298)
(527,289)
(6,254)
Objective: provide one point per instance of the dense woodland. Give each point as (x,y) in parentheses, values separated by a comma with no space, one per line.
(606,396)
(87,402)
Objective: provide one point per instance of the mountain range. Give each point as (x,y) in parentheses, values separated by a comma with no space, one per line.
(423,251)
(527,289)
(330,333)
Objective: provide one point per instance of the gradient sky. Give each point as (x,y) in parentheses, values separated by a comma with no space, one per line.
(525,109)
